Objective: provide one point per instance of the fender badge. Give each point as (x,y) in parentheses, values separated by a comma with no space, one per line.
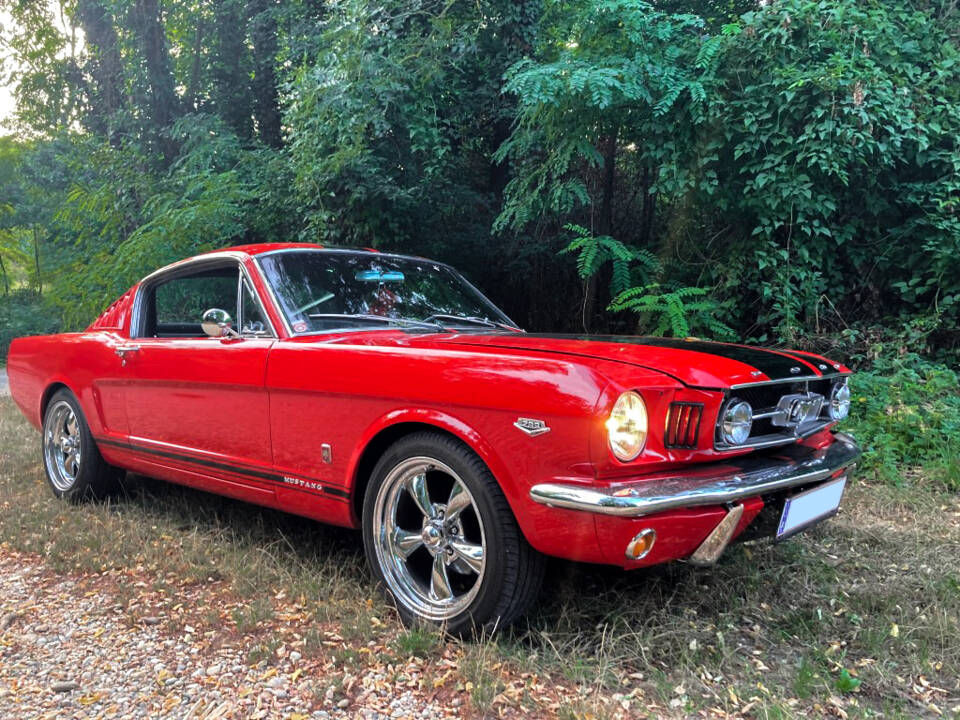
(531,426)
(795,370)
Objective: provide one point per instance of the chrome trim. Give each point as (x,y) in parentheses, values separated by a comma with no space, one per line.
(448,543)
(755,476)
(531,426)
(175,269)
(712,548)
(375,253)
(246,284)
(272,294)
(62,446)
(639,538)
(805,378)
(779,439)
(790,434)
(213,257)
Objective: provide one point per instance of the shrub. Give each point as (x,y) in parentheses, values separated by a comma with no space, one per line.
(906,414)
(24,312)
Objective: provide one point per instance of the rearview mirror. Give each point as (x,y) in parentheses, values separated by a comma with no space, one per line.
(217,323)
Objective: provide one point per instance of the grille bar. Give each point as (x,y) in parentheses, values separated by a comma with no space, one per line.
(683,425)
(765,398)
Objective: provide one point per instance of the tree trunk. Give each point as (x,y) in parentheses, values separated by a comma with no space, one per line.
(263,34)
(230,67)
(6,280)
(604,223)
(163,102)
(648,214)
(193,92)
(105,67)
(36,259)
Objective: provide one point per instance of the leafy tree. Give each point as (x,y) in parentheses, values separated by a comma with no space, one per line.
(785,170)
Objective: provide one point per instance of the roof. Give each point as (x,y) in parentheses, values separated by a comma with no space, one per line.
(260,248)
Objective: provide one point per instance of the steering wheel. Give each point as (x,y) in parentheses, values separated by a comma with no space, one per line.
(313,303)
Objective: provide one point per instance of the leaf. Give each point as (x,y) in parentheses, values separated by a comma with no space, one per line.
(846,683)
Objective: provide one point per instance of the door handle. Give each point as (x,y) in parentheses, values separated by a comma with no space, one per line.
(122,351)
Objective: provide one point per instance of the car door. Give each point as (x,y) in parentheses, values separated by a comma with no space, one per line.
(195,402)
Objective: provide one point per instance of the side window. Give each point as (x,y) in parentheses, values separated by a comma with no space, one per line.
(177,306)
(251,315)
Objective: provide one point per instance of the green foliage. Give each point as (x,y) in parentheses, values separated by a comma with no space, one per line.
(842,154)
(24,313)
(845,682)
(678,312)
(391,131)
(595,252)
(802,158)
(786,171)
(906,414)
(605,67)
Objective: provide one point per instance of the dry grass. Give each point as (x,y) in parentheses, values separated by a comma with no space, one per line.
(857,618)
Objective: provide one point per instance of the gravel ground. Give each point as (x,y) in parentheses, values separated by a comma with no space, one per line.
(81,647)
(4,382)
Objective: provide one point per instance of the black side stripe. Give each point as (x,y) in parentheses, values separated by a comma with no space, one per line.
(235,469)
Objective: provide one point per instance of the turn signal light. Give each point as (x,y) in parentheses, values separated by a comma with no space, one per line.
(641,544)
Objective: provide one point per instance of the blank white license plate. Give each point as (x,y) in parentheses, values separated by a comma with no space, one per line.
(810,506)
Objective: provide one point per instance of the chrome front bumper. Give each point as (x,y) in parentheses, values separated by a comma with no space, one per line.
(742,477)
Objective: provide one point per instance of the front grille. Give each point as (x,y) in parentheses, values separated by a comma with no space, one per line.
(764,398)
(767,396)
(683,425)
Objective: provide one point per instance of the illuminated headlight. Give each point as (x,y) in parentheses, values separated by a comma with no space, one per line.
(627,426)
(736,422)
(839,406)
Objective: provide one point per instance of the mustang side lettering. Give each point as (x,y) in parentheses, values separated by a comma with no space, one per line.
(386,393)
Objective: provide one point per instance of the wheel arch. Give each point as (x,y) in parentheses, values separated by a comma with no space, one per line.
(396,426)
(49,391)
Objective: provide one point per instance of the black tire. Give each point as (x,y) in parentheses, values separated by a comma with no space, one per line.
(512,571)
(93,478)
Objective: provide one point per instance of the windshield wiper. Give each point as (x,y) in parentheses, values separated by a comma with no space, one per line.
(471,319)
(405,322)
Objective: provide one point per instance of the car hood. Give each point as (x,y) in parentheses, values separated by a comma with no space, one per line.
(693,362)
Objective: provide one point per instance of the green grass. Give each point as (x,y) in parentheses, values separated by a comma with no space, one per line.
(851,614)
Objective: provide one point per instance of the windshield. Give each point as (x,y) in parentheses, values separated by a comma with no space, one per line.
(321,290)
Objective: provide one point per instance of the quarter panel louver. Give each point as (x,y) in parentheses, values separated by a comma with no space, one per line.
(683,425)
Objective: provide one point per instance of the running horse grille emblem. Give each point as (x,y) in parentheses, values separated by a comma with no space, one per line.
(531,426)
(796,410)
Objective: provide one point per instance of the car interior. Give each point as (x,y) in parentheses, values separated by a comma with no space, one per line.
(174,308)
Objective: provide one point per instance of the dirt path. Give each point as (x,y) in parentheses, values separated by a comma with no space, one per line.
(110,646)
(4,382)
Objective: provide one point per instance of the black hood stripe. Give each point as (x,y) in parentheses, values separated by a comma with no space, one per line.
(774,364)
(812,359)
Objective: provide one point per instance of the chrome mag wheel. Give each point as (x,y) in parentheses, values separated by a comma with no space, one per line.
(429,538)
(62,446)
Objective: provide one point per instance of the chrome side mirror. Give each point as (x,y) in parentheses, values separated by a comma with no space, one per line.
(217,323)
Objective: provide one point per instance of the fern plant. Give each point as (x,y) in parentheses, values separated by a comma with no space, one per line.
(677,311)
(597,250)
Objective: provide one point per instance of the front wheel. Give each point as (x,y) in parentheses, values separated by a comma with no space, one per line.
(75,469)
(442,541)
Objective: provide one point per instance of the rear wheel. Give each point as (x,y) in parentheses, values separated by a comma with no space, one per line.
(442,540)
(75,469)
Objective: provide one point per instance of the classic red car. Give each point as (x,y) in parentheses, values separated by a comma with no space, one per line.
(385,392)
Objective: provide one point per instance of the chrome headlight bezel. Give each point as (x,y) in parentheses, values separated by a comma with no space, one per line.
(838,406)
(736,422)
(628,426)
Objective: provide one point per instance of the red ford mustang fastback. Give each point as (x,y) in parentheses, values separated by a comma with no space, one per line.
(386,393)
